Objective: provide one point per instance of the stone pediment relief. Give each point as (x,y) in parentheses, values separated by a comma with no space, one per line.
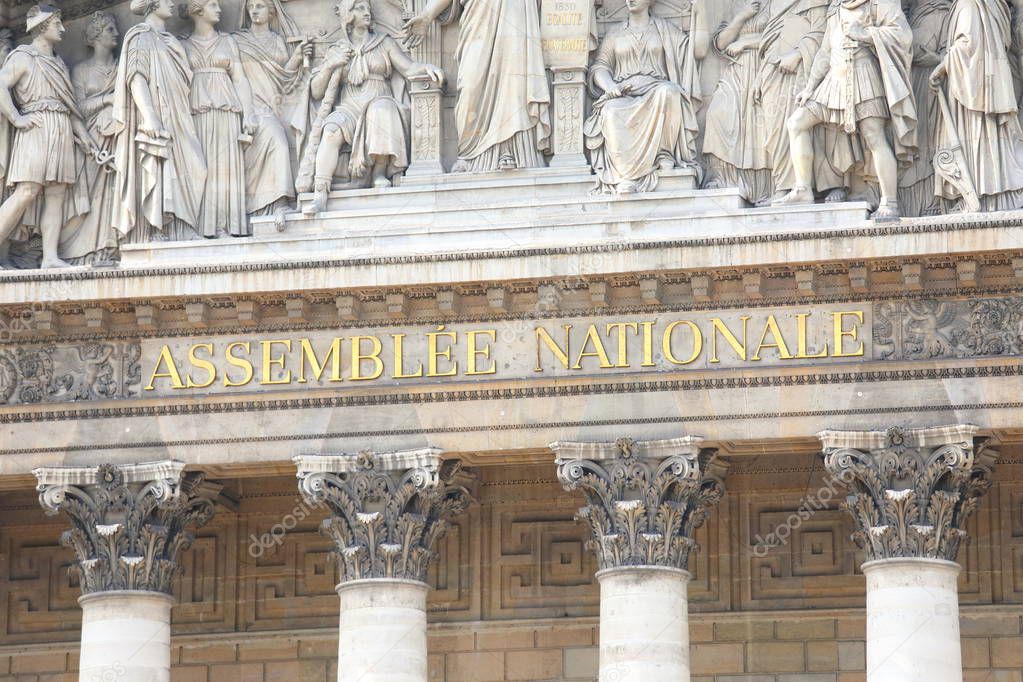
(210,121)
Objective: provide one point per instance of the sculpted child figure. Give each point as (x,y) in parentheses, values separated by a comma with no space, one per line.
(860,82)
(645,120)
(39,160)
(363,106)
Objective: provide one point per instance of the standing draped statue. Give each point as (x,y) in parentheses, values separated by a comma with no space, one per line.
(272,73)
(38,158)
(91,237)
(160,168)
(735,132)
(860,82)
(929,21)
(645,120)
(984,114)
(221,102)
(791,38)
(502,111)
(363,106)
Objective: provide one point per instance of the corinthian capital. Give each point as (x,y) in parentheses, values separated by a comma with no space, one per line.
(911,490)
(387,510)
(646,499)
(129,522)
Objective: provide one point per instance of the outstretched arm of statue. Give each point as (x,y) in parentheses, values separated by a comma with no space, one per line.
(731,30)
(700,35)
(818,70)
(244,90)
(409,68)
(9,75)
(605,81)
(415,29)
(337,57)
(150,124)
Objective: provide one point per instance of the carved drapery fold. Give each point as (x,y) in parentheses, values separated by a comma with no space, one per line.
(645,499)
(387,510)
(129,522)
(912,491)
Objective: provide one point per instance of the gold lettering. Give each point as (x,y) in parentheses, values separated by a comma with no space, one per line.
(648,344)
(623,342)
(235,361)
(561,354)
(697,342)
(473,352)
(802,344)
(269,362)
(358,357)
(171,373)
(841,334)
(200,363)
(592,337)
(432,353)
(399,360)
(718,327)
(309,355)
(779,341)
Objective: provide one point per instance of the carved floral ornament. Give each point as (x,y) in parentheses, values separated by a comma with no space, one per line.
(645,499)
(387,510)
(129,523)
(912,492)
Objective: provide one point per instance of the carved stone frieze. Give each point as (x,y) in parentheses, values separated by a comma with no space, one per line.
(130,522)
(645,499)
(387,510)
(53,373)
(911,491)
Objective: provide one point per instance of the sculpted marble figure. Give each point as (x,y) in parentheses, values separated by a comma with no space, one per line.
(645,120)
(221,102)
(983,111)
(272,73)
(39,160)
(860,83)
(160,167)
(790,40)
(363,107)
(733,141)
(929,21)
(91,237)
(502,111)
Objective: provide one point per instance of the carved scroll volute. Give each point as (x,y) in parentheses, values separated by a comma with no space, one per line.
(645,499)
(387,511)
(129,523)
(911,492)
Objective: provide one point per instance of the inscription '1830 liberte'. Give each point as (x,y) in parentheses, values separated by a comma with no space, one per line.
(509,351)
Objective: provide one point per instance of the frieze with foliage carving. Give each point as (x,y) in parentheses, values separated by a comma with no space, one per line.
(57,373)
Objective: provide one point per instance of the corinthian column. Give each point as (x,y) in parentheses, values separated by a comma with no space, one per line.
(646,500)
(129,523)
(911,494)
(387,512)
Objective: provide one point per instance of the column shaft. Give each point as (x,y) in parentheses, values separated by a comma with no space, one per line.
(125,636)
(383,631)
(644,624)
(913,621)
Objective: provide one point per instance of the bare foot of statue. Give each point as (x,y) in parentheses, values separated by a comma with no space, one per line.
(836,196)
(666,164)
(380,178)
(626,187)
(320,191)
(506,162)
(887,212)
(799,195)
(54,263)
(281,217)
(460,166)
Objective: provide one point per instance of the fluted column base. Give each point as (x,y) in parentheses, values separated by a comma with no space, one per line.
(913,621)
(644,624)
(382,631)
(125,636)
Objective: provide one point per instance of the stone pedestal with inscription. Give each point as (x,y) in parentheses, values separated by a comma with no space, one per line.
(426,133)
(646,499)
(911,495)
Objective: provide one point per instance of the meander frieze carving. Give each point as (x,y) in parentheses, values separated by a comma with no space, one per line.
(645,500)
(387,512)
(911,491)
(278,110)
(129,523)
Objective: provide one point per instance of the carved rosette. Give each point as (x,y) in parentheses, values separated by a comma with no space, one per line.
(912,491)
(646,499)
(129,522)
(387,510)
